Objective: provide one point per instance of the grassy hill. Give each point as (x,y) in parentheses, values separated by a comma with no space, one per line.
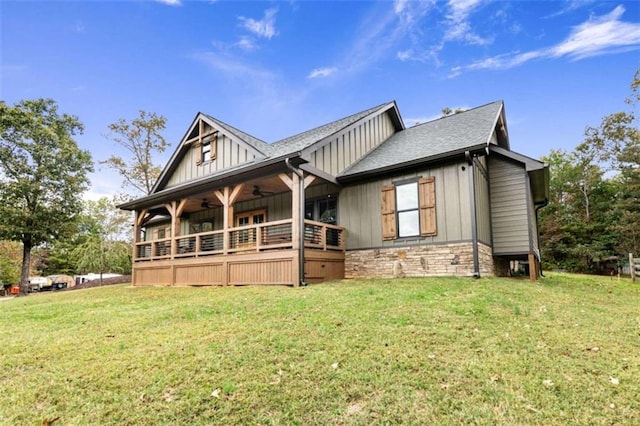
(565,350)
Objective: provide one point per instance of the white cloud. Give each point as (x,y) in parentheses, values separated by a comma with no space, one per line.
(459,28)
(600,36)
(264,28)
(246,43)
(322,72)
(170,2)
(405,55)
(597,36)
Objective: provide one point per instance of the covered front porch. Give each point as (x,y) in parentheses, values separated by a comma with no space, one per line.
(275,229)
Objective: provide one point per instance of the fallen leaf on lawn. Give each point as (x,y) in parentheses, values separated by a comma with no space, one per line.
(593,349)
(548,382)
(143,398)
(431,356)
(334,365)
(614,381)
(216,393)
(612,405)
(494,378)
(354,408)
(168,395)
(530,408)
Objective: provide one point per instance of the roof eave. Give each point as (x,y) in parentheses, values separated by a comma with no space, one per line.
(209,183)
(449,155)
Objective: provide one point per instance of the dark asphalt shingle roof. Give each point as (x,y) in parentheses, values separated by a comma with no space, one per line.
(303,140)
(435,138)
(258,144)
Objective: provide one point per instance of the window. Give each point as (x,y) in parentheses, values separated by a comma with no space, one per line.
(409,209)
(322,210)
(206,150)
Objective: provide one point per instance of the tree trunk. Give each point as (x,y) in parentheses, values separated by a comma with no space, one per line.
(26,263)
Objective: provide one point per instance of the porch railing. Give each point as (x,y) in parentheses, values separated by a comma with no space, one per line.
(250,238)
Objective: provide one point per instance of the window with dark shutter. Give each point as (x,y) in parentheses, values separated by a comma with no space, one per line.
(389,212)
(409,209)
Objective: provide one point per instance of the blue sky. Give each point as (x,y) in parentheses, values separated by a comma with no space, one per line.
(274,69)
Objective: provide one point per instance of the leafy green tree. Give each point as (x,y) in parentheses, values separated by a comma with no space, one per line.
(10,261)
(577,226)
(142,137)
(106,245)
(43,174)
(616,144)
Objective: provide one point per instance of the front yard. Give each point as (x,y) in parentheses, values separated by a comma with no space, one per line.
(565,350)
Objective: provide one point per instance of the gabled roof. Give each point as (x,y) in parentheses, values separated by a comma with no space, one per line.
(260,147)
(282,148)
(258,144)
(435,139)
(304,140)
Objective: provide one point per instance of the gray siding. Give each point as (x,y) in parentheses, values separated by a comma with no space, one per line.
(229,153)
(509,207)
(345,148)
(483,211)
(359,209)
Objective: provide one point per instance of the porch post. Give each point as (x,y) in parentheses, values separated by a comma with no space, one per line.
(228,198)
(136,237)
(175,209)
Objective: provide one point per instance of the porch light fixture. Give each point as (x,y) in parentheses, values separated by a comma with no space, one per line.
(204,204)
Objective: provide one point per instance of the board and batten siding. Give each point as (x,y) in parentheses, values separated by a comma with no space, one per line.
(509,207)
(483,209)
(229,153)
(345,148)
(359,209)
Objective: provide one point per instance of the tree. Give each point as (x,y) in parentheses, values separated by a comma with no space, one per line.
(448,111)
(43,174)
(142,138)
(10,261)
(105,247)
(616,144)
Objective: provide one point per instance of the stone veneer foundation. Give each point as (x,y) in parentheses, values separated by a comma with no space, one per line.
(418,261)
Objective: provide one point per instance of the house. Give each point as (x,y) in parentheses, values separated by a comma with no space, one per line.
(363,196)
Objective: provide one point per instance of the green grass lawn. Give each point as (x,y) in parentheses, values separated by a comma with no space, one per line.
(565,350)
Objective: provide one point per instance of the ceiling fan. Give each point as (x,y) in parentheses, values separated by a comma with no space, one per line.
(258,193)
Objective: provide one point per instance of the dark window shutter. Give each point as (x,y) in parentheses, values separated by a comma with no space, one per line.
(388,212)
(198,153)
(427,197)
(214,145)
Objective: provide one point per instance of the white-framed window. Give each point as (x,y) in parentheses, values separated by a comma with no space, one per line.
(408,210)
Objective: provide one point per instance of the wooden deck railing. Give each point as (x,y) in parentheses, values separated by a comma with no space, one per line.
(256,238)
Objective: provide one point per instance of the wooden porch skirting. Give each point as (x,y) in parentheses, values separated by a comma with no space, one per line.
(278,267)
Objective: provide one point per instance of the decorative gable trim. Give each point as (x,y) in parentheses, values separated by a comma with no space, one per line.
(193,137)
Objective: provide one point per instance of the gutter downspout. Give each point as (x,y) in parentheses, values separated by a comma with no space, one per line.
(301,207)
(541,205)
(474,217)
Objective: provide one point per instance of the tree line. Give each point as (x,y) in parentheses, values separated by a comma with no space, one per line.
(592,221)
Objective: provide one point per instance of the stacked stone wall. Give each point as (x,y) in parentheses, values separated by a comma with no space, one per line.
(418,261)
